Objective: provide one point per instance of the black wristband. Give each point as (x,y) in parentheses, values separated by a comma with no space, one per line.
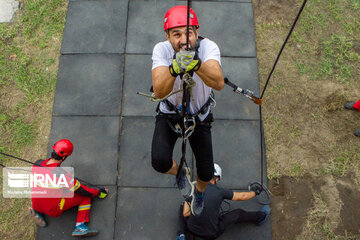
(197,66)
(172,72)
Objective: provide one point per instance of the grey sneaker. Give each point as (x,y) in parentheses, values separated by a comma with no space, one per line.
(357,133)
(185,185)
(197,203)
(349,105)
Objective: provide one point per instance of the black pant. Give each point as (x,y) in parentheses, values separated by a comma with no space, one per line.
(164,140)
(226,220)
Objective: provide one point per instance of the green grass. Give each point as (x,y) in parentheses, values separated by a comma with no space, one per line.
(337,54)
(307,130)
(27,67)
(345,161)
(29,50)
(273,176)
(296,170)
(303,68)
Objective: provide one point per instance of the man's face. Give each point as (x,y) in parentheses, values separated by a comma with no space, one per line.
(177,37)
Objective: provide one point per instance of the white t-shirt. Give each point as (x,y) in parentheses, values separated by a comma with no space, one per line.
(163,54)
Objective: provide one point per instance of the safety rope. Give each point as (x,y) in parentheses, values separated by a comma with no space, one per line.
(185,103)
(282,47)
(262,94)
(153,98)
(258,100)
(38,165)
(190,83)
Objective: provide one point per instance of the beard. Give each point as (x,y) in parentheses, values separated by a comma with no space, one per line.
(178,47)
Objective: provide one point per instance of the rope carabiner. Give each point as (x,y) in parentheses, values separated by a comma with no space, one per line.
(189,128)
(246,92)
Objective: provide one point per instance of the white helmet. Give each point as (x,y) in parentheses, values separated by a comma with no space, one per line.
(217,170)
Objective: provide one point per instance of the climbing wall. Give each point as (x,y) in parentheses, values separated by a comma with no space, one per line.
(105,59)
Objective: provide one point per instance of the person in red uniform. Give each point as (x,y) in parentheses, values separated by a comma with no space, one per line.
(354,106)
(55,206)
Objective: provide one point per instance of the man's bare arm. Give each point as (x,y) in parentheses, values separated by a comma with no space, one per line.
(243,196)
(210,72)
(163,82)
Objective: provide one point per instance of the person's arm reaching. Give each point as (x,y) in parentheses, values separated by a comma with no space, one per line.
(242,196)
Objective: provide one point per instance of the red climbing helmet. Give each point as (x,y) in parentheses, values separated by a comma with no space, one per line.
(63,147)
(177,17)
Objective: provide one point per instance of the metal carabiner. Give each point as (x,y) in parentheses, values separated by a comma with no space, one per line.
(189,128)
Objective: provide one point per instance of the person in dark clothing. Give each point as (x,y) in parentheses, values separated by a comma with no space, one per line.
(210,224)
(353,106)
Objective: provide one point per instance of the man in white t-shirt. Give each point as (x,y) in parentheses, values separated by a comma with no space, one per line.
(170,60)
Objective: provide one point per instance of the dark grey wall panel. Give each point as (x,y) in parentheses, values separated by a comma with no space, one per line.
(135,167)
(237,151)
(95,27)
(95,140)
(230,105)
(154,217)
(145,24)
(229,24)
(89,85)
(137,79)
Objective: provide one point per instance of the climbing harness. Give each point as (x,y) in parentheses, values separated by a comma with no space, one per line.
(38,165)
(264,198)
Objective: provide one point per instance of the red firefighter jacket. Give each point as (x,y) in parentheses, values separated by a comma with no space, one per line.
(51,206)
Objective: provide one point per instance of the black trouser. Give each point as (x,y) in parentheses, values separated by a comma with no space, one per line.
(182,221)
(164,140)
(238,216)
(41,214)
(225,221)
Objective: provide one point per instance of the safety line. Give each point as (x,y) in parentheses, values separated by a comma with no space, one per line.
(282,48)
(34,163)
(261,146)
(185,102)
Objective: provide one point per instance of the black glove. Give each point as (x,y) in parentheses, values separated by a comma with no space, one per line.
(256,188)
(102,193)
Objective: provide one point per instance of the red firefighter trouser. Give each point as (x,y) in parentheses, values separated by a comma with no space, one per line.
(357,105)
(84,204)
